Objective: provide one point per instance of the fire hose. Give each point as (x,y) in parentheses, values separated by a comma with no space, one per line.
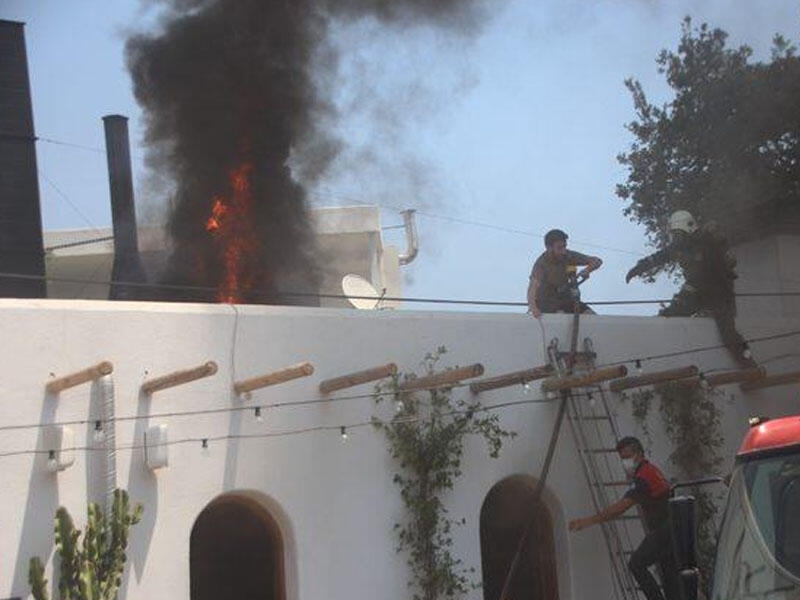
(574,283)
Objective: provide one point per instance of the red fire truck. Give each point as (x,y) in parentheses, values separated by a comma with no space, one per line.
(758,552)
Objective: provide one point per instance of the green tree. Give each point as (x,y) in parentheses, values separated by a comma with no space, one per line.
(726,147)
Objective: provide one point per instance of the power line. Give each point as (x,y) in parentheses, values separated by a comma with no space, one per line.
(291,294)
(315,428)
(506,229)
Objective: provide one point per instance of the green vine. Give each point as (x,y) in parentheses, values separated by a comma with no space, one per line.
(692,422)
(426,439)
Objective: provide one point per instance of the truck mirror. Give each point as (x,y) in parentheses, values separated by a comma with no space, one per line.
(683,524)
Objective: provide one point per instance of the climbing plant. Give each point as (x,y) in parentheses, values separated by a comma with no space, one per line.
(426,440)
(691,419)
(93,569)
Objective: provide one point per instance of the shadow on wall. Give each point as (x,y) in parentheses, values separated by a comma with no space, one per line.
(36,535)
(507,510)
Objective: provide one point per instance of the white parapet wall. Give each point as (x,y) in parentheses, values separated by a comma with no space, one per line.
(334,503)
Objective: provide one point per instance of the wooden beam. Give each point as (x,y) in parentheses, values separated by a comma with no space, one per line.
(508,379)
(651,378)
(737,376)
(554,384)
(442,379)
(179,378)
(771,381)
(89,374)
(357,378)
(303,369)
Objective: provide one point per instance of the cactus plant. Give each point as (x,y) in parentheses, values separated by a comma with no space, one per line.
(94,570)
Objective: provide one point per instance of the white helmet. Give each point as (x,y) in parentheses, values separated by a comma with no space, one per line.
(682,220)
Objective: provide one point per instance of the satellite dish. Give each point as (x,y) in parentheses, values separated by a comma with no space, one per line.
(360,292)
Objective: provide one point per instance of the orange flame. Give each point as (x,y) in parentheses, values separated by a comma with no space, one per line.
(231,224)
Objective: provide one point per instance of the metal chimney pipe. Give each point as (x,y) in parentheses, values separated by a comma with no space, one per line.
(127,262)
(21,247)
(412,241)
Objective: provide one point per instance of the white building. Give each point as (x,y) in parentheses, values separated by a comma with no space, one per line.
(321,510)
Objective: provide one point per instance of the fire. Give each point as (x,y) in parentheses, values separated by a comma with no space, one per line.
(231,225)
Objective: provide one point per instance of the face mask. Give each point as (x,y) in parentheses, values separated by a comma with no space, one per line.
(629,465)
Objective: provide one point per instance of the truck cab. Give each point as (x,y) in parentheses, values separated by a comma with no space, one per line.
(758,553)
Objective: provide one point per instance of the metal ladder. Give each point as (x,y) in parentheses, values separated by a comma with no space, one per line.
(595,433)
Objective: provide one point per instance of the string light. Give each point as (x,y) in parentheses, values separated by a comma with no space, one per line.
(526,387)
(399,406)
(704,382)
(52,463)
(592,401)
(344,434)
(99,436)
(257,414)
(746,351)
(638,365)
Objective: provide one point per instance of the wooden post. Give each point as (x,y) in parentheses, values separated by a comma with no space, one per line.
(771,380)
(508,379)
(303,369)
(357,378)
(179,377)
(442,379)
(737,376)
(651,378)
(554,384)
(90,374)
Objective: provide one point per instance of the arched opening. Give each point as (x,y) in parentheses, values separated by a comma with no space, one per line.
(236,551)
(507,509)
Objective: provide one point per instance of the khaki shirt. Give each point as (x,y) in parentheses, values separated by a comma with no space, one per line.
(552,272)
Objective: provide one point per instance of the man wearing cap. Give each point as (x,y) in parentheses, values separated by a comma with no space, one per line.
(549,285)
(650,490)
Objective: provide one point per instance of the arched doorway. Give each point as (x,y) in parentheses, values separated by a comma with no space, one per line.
(236,551)
(507,509)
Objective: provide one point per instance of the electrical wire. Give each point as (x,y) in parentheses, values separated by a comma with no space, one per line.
(303,430)
(292,294)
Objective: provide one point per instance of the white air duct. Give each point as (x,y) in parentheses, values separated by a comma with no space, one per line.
(412,241)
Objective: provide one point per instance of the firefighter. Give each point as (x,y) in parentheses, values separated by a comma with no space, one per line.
(553,274)
(709,272)
(650,491)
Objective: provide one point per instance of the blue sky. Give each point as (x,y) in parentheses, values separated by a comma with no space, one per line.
(517,126)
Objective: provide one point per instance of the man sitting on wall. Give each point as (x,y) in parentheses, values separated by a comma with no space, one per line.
(549,288)
(650,490)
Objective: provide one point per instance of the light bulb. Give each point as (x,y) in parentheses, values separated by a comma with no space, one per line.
(344,434)
(526,387)
(399,406)
(257,414)
(746,351)
(638,365)
(52,463)
(704,382)
(592,401)
(204,448)
(99,435)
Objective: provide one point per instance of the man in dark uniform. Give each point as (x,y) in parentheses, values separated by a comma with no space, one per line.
(709,272)
(650,490)
(549,286)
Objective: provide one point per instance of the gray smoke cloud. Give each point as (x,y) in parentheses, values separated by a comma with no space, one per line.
(233,92)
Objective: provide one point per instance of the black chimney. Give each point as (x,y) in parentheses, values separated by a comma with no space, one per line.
(127,266)
(21,247)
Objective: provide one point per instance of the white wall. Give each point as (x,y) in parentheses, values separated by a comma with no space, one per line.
(336,502)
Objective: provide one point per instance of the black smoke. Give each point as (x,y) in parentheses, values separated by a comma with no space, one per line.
(224,82)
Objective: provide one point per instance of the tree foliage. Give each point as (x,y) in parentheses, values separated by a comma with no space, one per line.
(726,147)
(426,439)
